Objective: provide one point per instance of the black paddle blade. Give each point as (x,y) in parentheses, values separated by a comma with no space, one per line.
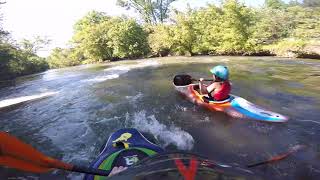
(182,80)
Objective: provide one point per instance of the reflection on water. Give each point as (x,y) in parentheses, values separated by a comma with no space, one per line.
(95,100)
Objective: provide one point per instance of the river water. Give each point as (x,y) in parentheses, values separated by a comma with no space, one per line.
(69,113)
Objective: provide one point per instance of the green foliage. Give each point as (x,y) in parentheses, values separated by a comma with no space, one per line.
(109,38)
(233,28)
(151,11)
(128,40)
(311,3)
(271,25)
(287,47)
(15,61)
(92,18)
(274,4)
(237,20)
(161,39)
(306,22)
(185,35)
(208,29)
(64,57)
(93,41)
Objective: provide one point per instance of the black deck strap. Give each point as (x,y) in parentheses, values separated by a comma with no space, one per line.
(207,99)
(121,144)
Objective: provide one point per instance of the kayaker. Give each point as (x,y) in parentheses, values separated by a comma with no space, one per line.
(220,89)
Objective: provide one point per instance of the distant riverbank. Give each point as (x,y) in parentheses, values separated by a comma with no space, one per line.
(308,52)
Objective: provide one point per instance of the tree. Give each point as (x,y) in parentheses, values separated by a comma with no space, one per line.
(274,4)
(151,11)
(33,46)
(235,28)
(90,36)
(311,3)
(161,39)
(208,21)
(92,18)
(306,22)
(63,57)
(185,35)
(101,38)
(272,25)
(128,39)
(294,3)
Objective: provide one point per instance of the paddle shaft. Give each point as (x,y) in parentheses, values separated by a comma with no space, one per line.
(203,80)
(87,170)
(279,157)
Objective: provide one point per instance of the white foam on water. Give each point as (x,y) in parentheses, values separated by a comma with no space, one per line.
(126,68)
(105,120)
(116,71)
(72,136)
(54,74)
(18,100)
(313,121)
(119,68)
(134,98)
(169,135)
(149,63)
(102,78)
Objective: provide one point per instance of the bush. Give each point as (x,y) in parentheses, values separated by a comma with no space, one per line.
(161,40)
(109,38)
(287,47)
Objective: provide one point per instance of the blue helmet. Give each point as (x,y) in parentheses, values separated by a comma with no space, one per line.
(220,71)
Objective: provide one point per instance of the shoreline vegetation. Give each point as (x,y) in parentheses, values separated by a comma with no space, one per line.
(231,28)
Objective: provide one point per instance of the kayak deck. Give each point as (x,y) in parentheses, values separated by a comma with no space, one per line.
(124,147)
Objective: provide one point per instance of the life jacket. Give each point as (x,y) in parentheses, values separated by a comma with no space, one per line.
(223,93)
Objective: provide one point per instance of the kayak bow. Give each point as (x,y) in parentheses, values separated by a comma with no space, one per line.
(124,147)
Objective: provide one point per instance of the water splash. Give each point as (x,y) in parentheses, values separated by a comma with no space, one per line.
(121,69)
(307,120)
(169,135)
(102,78)
(133,99)
(116,71)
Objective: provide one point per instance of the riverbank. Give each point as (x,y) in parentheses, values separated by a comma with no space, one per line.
(292,48)
(309,52)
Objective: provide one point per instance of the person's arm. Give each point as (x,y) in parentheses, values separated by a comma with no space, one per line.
(202,87)
(211,87)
